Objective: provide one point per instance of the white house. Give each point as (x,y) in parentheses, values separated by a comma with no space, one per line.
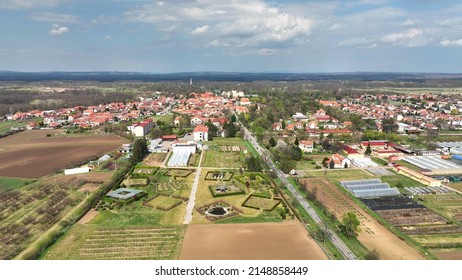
(306,146)
(339,161)
(196,121)
(201,133)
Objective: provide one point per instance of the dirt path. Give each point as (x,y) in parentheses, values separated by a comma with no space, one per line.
(88,217)
(192,198)
(261,241)
(373,235)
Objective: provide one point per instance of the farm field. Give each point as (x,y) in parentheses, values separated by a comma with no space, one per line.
(31,154)
(92,242)
(373,235)
(7,184)
(263,241)
(26,213)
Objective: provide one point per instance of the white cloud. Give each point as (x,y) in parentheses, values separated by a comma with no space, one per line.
(171,28)
(405,35)
(108,37)
(354,42)
(56,18)
(200,30)
(27,4)
(238,22)
(447,43)
(450,22)
(58,30)
(214,43)
(267,52)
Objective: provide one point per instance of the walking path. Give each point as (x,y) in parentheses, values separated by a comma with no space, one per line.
(192,198)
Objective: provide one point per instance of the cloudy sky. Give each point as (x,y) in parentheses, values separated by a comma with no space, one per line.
(231,35)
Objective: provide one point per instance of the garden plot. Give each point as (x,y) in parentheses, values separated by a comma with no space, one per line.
(164,203)
(171,186)
(129,182)
(225,190)
(219,175)
(230,148)
(261,203)
(178,172)
(144,170)
(412,217)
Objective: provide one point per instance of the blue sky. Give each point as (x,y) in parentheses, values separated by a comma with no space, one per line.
(231,35)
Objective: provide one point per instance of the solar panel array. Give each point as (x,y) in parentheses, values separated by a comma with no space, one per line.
(371,188)
(179,158)
(431,162)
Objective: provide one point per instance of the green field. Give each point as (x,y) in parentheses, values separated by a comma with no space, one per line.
(261,202)
(164,202)
(167,119)
(7,184)
(219,159)
(398,180)
(341,174)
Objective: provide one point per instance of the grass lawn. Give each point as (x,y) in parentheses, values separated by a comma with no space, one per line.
(220,141)
(219,159)
(409,165)
(128,216)
(341,174)
(164,202)
(379,161)
(395,179)
(456,186)
(7,184)
(305,165)
(167,119)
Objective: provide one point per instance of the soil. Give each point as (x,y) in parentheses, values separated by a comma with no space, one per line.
(264,241)
(31,154)
(88,217)
(448,255)
(155,159)
(373,235)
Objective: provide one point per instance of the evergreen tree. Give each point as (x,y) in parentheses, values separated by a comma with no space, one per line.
(368,150)
(139,151)
(296,142)
(272,142)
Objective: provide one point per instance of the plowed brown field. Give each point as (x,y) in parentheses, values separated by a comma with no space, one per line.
(31,154)
(265,241)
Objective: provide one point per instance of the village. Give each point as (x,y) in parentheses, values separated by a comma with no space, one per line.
(203,165)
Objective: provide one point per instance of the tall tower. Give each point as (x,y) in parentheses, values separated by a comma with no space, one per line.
(190,81)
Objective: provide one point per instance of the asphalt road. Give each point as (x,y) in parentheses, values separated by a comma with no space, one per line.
(266,155)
